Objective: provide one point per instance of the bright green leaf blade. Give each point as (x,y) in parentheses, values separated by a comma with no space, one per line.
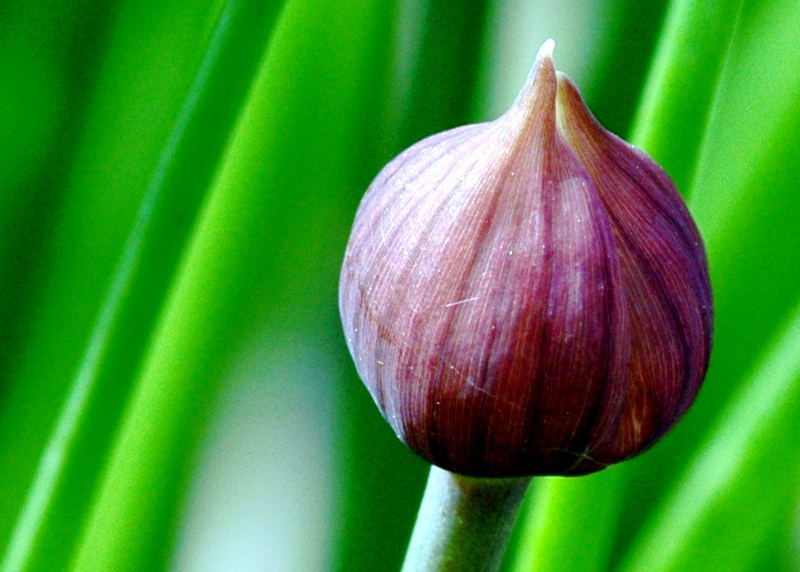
(625,54)
(590,517)
(63,485)
(745,191)
(267,251)
(683,84)
(444,69)
(132,106)
(51,64)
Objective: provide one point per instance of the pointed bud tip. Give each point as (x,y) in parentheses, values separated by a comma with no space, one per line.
(539,90)
(546,50)
(544,61)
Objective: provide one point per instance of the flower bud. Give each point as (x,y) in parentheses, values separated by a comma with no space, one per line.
(527,296)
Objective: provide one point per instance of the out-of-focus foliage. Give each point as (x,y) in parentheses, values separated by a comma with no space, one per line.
(177,181)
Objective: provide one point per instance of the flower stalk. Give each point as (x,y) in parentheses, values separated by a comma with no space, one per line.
(464,522)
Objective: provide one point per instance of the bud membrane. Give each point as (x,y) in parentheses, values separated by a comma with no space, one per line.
(527,296)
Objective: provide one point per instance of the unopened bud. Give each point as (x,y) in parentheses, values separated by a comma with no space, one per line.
(527,296)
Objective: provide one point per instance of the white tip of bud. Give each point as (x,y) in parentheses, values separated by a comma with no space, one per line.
(546,51)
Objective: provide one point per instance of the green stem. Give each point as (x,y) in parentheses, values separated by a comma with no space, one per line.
(464,522)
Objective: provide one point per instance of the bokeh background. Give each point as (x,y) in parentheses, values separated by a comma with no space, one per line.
(177,181)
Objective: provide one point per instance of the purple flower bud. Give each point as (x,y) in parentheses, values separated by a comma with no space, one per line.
(527,296)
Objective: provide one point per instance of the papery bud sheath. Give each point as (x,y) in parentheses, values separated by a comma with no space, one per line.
(527,296)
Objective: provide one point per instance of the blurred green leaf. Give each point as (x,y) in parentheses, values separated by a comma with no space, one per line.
(266,250)
(62,487)
(445,67)
(43,103)
(683,83)
(130,107)
(590,516)
(625,56)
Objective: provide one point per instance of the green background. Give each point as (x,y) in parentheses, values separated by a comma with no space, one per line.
(177,182)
